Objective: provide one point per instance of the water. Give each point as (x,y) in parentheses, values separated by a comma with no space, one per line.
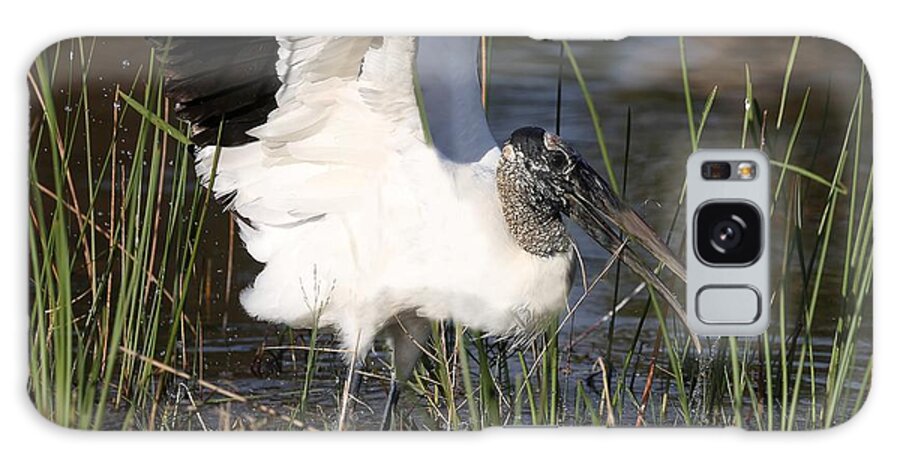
(639,75)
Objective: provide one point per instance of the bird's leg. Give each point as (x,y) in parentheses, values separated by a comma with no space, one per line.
(393,397)
(408,336)
(356,379)
(352,392)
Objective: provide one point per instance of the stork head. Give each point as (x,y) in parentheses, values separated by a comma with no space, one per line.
(540,178)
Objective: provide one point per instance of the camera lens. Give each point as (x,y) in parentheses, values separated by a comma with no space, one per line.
(728,233)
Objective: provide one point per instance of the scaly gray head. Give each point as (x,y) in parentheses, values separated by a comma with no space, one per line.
(540,178)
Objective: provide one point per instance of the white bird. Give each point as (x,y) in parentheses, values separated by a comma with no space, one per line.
(362,225)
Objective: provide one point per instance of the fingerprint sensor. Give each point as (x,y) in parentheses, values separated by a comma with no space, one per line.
(728,304)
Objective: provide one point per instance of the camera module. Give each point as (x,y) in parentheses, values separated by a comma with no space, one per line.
(728,233)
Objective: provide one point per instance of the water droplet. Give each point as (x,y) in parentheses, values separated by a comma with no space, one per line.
(117,105)
(67,109)
(125,63)
(71,55)
(747,104)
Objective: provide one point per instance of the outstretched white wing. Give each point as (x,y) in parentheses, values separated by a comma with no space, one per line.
(345,108)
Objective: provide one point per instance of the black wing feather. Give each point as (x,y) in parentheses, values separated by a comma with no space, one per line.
(215,78)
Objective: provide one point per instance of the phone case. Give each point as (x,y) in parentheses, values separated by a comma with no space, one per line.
(435,233)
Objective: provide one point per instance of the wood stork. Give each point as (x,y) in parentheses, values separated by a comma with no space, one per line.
(365,227)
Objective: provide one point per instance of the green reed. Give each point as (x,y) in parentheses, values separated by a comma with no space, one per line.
(100,286)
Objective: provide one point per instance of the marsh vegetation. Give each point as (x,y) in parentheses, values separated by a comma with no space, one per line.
(135,271)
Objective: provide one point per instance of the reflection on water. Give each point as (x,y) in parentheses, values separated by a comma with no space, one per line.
(640,77)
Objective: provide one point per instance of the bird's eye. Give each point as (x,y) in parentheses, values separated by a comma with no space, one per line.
(558,160)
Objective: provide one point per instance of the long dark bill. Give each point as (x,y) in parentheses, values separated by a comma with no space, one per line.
(597,209)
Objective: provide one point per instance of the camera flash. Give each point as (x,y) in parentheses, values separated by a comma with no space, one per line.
(746,170)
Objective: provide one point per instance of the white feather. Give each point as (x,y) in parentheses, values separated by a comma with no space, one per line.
(357,219)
